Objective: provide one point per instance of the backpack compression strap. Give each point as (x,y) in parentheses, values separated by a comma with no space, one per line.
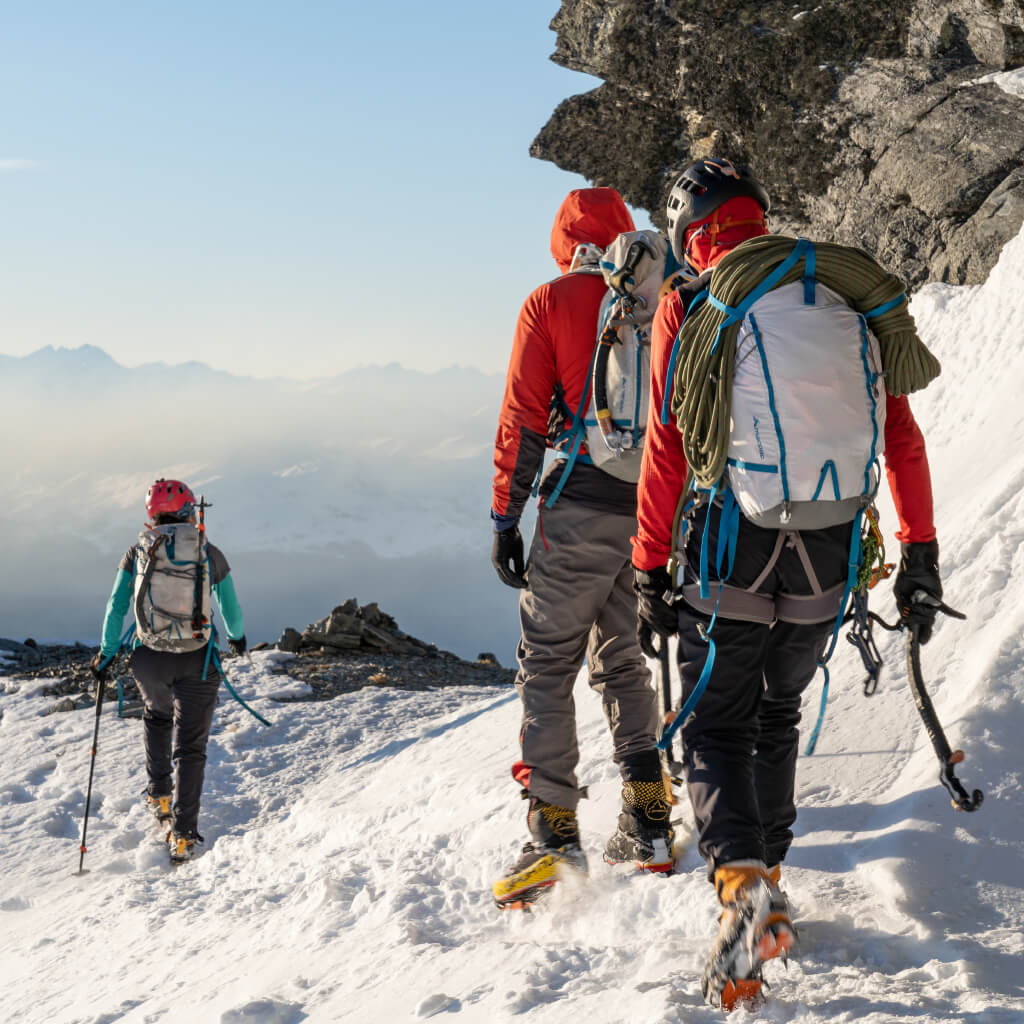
(147,577)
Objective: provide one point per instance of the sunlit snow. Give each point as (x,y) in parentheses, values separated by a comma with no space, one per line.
(350,847)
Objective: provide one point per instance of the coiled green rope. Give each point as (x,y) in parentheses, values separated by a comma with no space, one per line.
(702,391)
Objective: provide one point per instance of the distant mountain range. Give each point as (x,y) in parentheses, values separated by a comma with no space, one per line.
(370,483)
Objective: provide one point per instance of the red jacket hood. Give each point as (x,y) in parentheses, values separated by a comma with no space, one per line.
(594,215)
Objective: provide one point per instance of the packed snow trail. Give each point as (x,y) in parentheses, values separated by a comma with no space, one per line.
(351,847)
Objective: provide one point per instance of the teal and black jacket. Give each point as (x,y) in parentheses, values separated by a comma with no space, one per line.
(222,588)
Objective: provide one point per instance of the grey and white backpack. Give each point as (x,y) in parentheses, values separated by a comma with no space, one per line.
(639,268)
(172,588)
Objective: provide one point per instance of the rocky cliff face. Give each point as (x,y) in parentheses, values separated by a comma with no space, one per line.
(865,119)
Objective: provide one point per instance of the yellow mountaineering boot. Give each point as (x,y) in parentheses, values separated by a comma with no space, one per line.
(159,806)
(644,835)
(554,850)
(755,926)
(182,848)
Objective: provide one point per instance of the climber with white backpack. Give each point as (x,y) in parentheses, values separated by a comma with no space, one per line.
(577,385)
(779,378)
(169,578)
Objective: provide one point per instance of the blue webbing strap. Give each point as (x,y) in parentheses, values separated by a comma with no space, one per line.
(886,306)
(691,702)
(851,582)
(751,467)
(210,647)
(809,281)
(705,590)
(578,431)
(728,532)
(734,314)
(231,689)
(828,467)
(813,741)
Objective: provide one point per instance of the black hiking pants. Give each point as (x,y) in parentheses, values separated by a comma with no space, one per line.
(179,706)
(741,743)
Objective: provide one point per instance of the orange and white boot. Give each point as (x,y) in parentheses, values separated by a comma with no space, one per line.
(755,926)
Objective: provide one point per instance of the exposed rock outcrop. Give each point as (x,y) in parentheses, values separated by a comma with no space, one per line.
(352,647)
(865,118)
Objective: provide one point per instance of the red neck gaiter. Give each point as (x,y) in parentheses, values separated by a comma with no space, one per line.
(736,220)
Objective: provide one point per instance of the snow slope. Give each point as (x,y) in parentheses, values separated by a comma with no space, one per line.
(350,847)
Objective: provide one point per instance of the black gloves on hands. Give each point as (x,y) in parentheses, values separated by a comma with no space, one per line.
(507,557)
(919,571)
(99,673)
(237,647)
(655,614)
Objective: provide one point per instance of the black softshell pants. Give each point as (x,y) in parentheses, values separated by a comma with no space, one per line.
(741,743)
(179,706)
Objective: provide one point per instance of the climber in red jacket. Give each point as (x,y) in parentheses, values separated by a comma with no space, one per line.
(740,741)
(577,599)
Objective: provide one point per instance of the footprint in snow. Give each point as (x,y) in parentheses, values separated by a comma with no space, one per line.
(264,1011)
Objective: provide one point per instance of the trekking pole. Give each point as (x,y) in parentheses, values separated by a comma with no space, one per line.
(672,768)
(100,686)
(947,758)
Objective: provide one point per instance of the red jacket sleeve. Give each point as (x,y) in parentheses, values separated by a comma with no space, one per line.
(663,470)
(523,421)
(906,466)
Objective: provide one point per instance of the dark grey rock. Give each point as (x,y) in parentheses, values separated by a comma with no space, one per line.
(859,116)
(290,640)
(27,654)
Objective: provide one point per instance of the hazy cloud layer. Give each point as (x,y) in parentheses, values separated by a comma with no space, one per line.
(374,484)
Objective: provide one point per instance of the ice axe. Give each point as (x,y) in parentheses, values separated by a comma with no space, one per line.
(948,759)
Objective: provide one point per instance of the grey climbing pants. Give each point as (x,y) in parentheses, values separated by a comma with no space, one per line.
(178,713)
(580,602)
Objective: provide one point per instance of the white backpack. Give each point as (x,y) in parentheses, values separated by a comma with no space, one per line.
(612,419)
(172,588)
(808,410)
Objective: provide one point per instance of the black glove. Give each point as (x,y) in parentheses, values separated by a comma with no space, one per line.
(654,613)
(919,571)
(99,673)
(507,557)
(237,647)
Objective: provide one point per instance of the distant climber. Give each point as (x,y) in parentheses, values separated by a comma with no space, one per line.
(168,578)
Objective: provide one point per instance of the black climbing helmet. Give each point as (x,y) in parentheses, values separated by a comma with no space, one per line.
(702,188)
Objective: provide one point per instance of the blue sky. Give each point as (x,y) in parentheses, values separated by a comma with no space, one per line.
(276,189)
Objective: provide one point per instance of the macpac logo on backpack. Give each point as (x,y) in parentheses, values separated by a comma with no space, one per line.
(639,268)
(172,588)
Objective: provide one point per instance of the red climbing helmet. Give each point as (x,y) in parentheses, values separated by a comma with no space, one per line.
(169,498)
